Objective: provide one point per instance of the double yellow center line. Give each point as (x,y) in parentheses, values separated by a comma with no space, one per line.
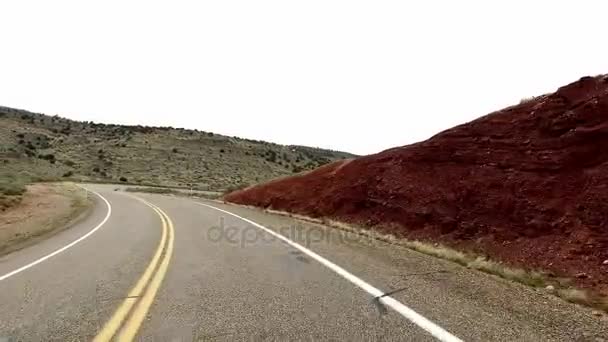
(125,322)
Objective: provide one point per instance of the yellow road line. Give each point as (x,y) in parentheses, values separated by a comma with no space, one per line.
(115,322)
(130,329)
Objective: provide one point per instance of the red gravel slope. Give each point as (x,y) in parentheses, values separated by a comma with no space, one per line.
(527,185)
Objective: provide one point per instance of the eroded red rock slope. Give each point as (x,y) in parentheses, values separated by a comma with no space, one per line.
(527,185)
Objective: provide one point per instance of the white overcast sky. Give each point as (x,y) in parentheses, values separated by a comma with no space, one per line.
(360,76)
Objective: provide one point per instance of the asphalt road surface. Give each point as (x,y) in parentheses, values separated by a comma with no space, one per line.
(160,268)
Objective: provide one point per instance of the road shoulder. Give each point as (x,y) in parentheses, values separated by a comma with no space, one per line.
(454,296)
(45,210)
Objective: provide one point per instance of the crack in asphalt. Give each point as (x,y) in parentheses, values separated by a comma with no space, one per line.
(382,308)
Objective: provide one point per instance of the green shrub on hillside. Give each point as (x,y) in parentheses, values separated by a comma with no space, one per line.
(10,186)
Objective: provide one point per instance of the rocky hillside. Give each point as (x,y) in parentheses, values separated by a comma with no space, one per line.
(38,147)
(527,185)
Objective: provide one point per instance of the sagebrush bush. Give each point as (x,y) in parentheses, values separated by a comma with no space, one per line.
(11,186)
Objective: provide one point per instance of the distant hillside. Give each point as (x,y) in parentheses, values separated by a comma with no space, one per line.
(38,147)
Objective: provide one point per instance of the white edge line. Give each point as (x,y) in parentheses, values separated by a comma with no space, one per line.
(62,249)
(430,327)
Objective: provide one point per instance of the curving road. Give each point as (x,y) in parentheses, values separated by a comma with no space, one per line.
(160,268)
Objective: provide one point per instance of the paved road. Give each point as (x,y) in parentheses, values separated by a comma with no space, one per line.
(174,269)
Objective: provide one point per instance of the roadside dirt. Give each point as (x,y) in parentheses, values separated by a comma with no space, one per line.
(45,209)
(7,202)
(527,185)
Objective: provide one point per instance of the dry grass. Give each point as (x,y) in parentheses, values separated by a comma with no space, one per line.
(152,190)
(11,187)
(210,195)
(530,278)
(573,296)
(11,190)
(292,215)
(437,251)
(578,296)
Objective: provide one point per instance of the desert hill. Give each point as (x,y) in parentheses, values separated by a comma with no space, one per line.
(41,147)
(527,185)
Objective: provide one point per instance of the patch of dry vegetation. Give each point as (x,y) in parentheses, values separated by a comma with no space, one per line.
(573,295)
(11,191)
(176,192)
(152,190)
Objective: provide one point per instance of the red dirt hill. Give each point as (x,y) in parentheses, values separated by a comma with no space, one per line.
(527,185)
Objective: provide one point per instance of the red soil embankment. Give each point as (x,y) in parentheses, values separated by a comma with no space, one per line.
(527,185)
